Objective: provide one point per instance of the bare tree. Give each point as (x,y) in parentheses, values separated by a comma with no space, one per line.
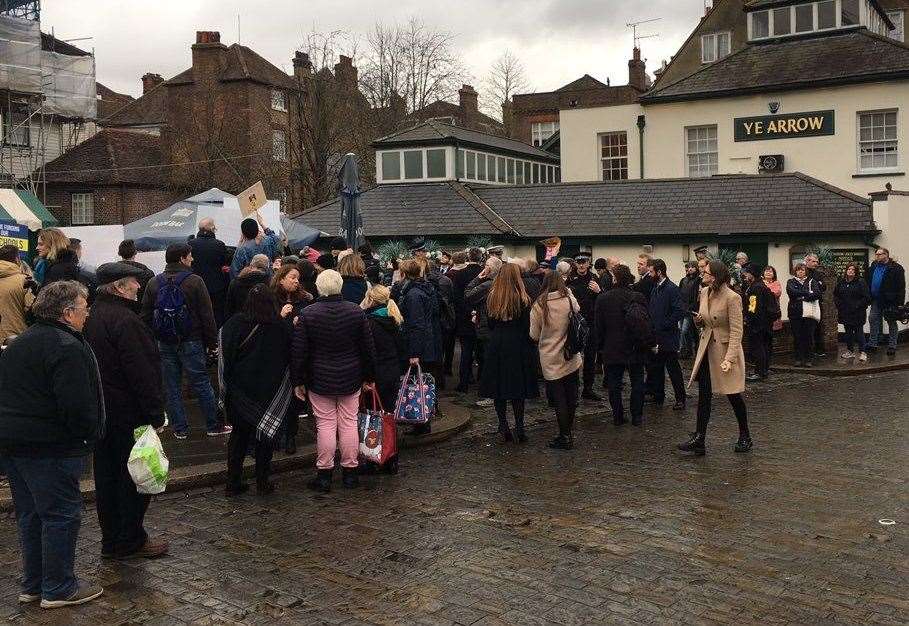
(505,78)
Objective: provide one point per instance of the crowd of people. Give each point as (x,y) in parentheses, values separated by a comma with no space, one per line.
(92,355)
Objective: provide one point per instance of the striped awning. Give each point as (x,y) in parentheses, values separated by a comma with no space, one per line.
(23,207)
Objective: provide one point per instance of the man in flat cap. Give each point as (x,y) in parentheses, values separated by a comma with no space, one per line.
(131,380)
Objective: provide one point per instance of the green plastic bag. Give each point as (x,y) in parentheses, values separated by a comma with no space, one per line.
(147,464)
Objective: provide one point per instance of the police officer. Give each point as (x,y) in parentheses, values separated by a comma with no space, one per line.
(585,287)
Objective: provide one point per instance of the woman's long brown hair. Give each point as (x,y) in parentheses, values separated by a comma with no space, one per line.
(282,295)
(507,295)
(551,284)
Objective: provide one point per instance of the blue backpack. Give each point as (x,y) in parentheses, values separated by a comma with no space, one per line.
(171,321)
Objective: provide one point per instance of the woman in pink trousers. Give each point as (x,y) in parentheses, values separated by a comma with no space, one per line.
(333,358)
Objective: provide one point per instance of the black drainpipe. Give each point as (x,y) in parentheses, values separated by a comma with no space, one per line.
(641,124)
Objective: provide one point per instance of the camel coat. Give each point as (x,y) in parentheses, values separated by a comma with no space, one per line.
(721,339)
(551,336)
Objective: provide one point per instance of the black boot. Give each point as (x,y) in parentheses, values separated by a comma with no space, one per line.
(349,477)
(562,442)
(290,447)
(322,481)
(695,445)
(265,487)
(744,444)
(590,394)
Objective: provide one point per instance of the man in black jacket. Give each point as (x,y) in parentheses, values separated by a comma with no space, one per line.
(760,310)
(819,276)
(127,251)
(51,414)
(690,289)
(209,261)
(585,287)
(887,280)
(131,379)
(465,330)
(644,286)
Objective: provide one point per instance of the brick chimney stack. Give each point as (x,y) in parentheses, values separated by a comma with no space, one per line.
(637,71)
(302,65)
(345,72)
(150,81)
(468,98)
(209,55)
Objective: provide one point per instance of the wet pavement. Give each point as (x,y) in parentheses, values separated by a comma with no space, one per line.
(619,531)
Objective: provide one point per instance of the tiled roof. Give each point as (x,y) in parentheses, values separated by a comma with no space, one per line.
(147,110)
(840,58)
(111,157)
(783,204)
(436,133)
(110,101)
(584,82)
(441,108)
(586,91)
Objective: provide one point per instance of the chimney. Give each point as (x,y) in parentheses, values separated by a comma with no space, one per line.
(508,117)
(209,56)
(302,65)
(345,72)
(468,99)
(637,71)
(150,81)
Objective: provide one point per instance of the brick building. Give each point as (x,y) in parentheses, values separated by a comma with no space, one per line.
(534,117)
(465,114)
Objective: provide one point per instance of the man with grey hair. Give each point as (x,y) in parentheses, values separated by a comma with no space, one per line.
(256,272)
(131,380)
(51,414)
(818,275)
(210,263)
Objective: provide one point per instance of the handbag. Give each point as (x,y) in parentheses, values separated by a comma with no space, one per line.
(811,310)
(378,432)
(578,333)
(417,398)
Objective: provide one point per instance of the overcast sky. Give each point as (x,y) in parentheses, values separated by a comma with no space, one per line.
(557,40)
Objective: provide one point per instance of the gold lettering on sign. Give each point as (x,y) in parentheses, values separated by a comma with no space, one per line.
(791,126)
(759,128)
(815,123)
(802,124)
(748,127)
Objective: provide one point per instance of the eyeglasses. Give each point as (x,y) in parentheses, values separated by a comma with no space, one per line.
(78,309)
(880,254)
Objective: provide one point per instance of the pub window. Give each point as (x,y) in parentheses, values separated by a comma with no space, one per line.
(898,32)
(714,47)
(804,18)
(279,145)
(614,155)
(413,164)
(435,163)
(500,162)
(782,21)
(471,158)
(510,171)
(760,24)
(850,12)
(459,164)
(391,166)
(702,155)
(878,140)
(278,100)
(83,208)
(541,131)
(481,167)
(826,15)
(519,173)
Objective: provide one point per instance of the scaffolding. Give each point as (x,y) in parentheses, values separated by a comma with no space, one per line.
(24,9)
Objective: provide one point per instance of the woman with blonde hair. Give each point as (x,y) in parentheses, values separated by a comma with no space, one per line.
(385,320)
(509,370)
(55,260)
(353,270)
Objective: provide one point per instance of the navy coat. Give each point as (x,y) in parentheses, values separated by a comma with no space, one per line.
(666,311)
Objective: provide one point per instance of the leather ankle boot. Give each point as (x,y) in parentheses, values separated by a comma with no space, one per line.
(322,481)
(350,478)
(744,444)
(694,445)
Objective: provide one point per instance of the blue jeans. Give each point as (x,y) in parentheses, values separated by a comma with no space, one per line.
(688,335)
(189,358)
(48,513)
(876,320)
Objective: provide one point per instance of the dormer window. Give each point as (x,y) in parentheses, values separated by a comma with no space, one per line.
(898,31)
(714,47)
(818,16)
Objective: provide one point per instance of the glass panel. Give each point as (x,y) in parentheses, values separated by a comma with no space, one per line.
(804,18)
(413,164)
(558,174)
(501,169)
(851,13)
(459,165)
(391,166)
(722,45)
(760,24)
(519,173)
(481,167)
(510,171)
(435,164)
(897,18)
(536,173)
(471,165)
(826,14)
(708,49)
(490,168)
(782,24)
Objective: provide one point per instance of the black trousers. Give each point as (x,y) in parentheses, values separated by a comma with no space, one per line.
(803,333)
(242,435)
(480,355)
(768,346)
(219,307)
(818,337)
(448,346)
(615,377)
(518,407)
(590,365)
(465,371)
(758,352)
(121,509)
(563,393)
(705,402)
(659,364)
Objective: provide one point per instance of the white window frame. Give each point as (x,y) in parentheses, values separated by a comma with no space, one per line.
(859,143)
(698,170)
(84,203)
(867,17)
(279,144)
(899,20)
(278,100)
(541,131)
(710,46)
(381,165)
(613,159)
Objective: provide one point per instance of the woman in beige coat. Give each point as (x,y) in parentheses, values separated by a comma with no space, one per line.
(720,363)
(549,328)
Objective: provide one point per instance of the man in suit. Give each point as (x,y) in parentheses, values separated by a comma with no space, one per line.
(209,261)
(666,311)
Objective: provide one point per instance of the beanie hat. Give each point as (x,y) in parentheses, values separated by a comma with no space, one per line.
(249,227)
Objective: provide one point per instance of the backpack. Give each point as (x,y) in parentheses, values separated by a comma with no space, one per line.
(638,326)
(171,320)
(578,333)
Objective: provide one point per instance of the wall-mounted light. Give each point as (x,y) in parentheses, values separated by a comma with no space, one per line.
(774,107)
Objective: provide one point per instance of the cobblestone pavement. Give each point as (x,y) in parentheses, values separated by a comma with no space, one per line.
(620,531)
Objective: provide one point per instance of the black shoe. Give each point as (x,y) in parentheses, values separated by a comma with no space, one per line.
(590,394)
(322,481)
(752,378)
(235,490)
(694,445)
(349,477)
(637,422)
(505,436)
(744,444)
(291,446)
(891,351)
(521,436)
(265,488)
(679,406)
(619,422)
(562,443)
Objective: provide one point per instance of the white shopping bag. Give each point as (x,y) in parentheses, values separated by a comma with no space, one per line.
(147,462)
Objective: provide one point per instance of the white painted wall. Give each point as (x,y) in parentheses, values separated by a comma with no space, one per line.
(579,138)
